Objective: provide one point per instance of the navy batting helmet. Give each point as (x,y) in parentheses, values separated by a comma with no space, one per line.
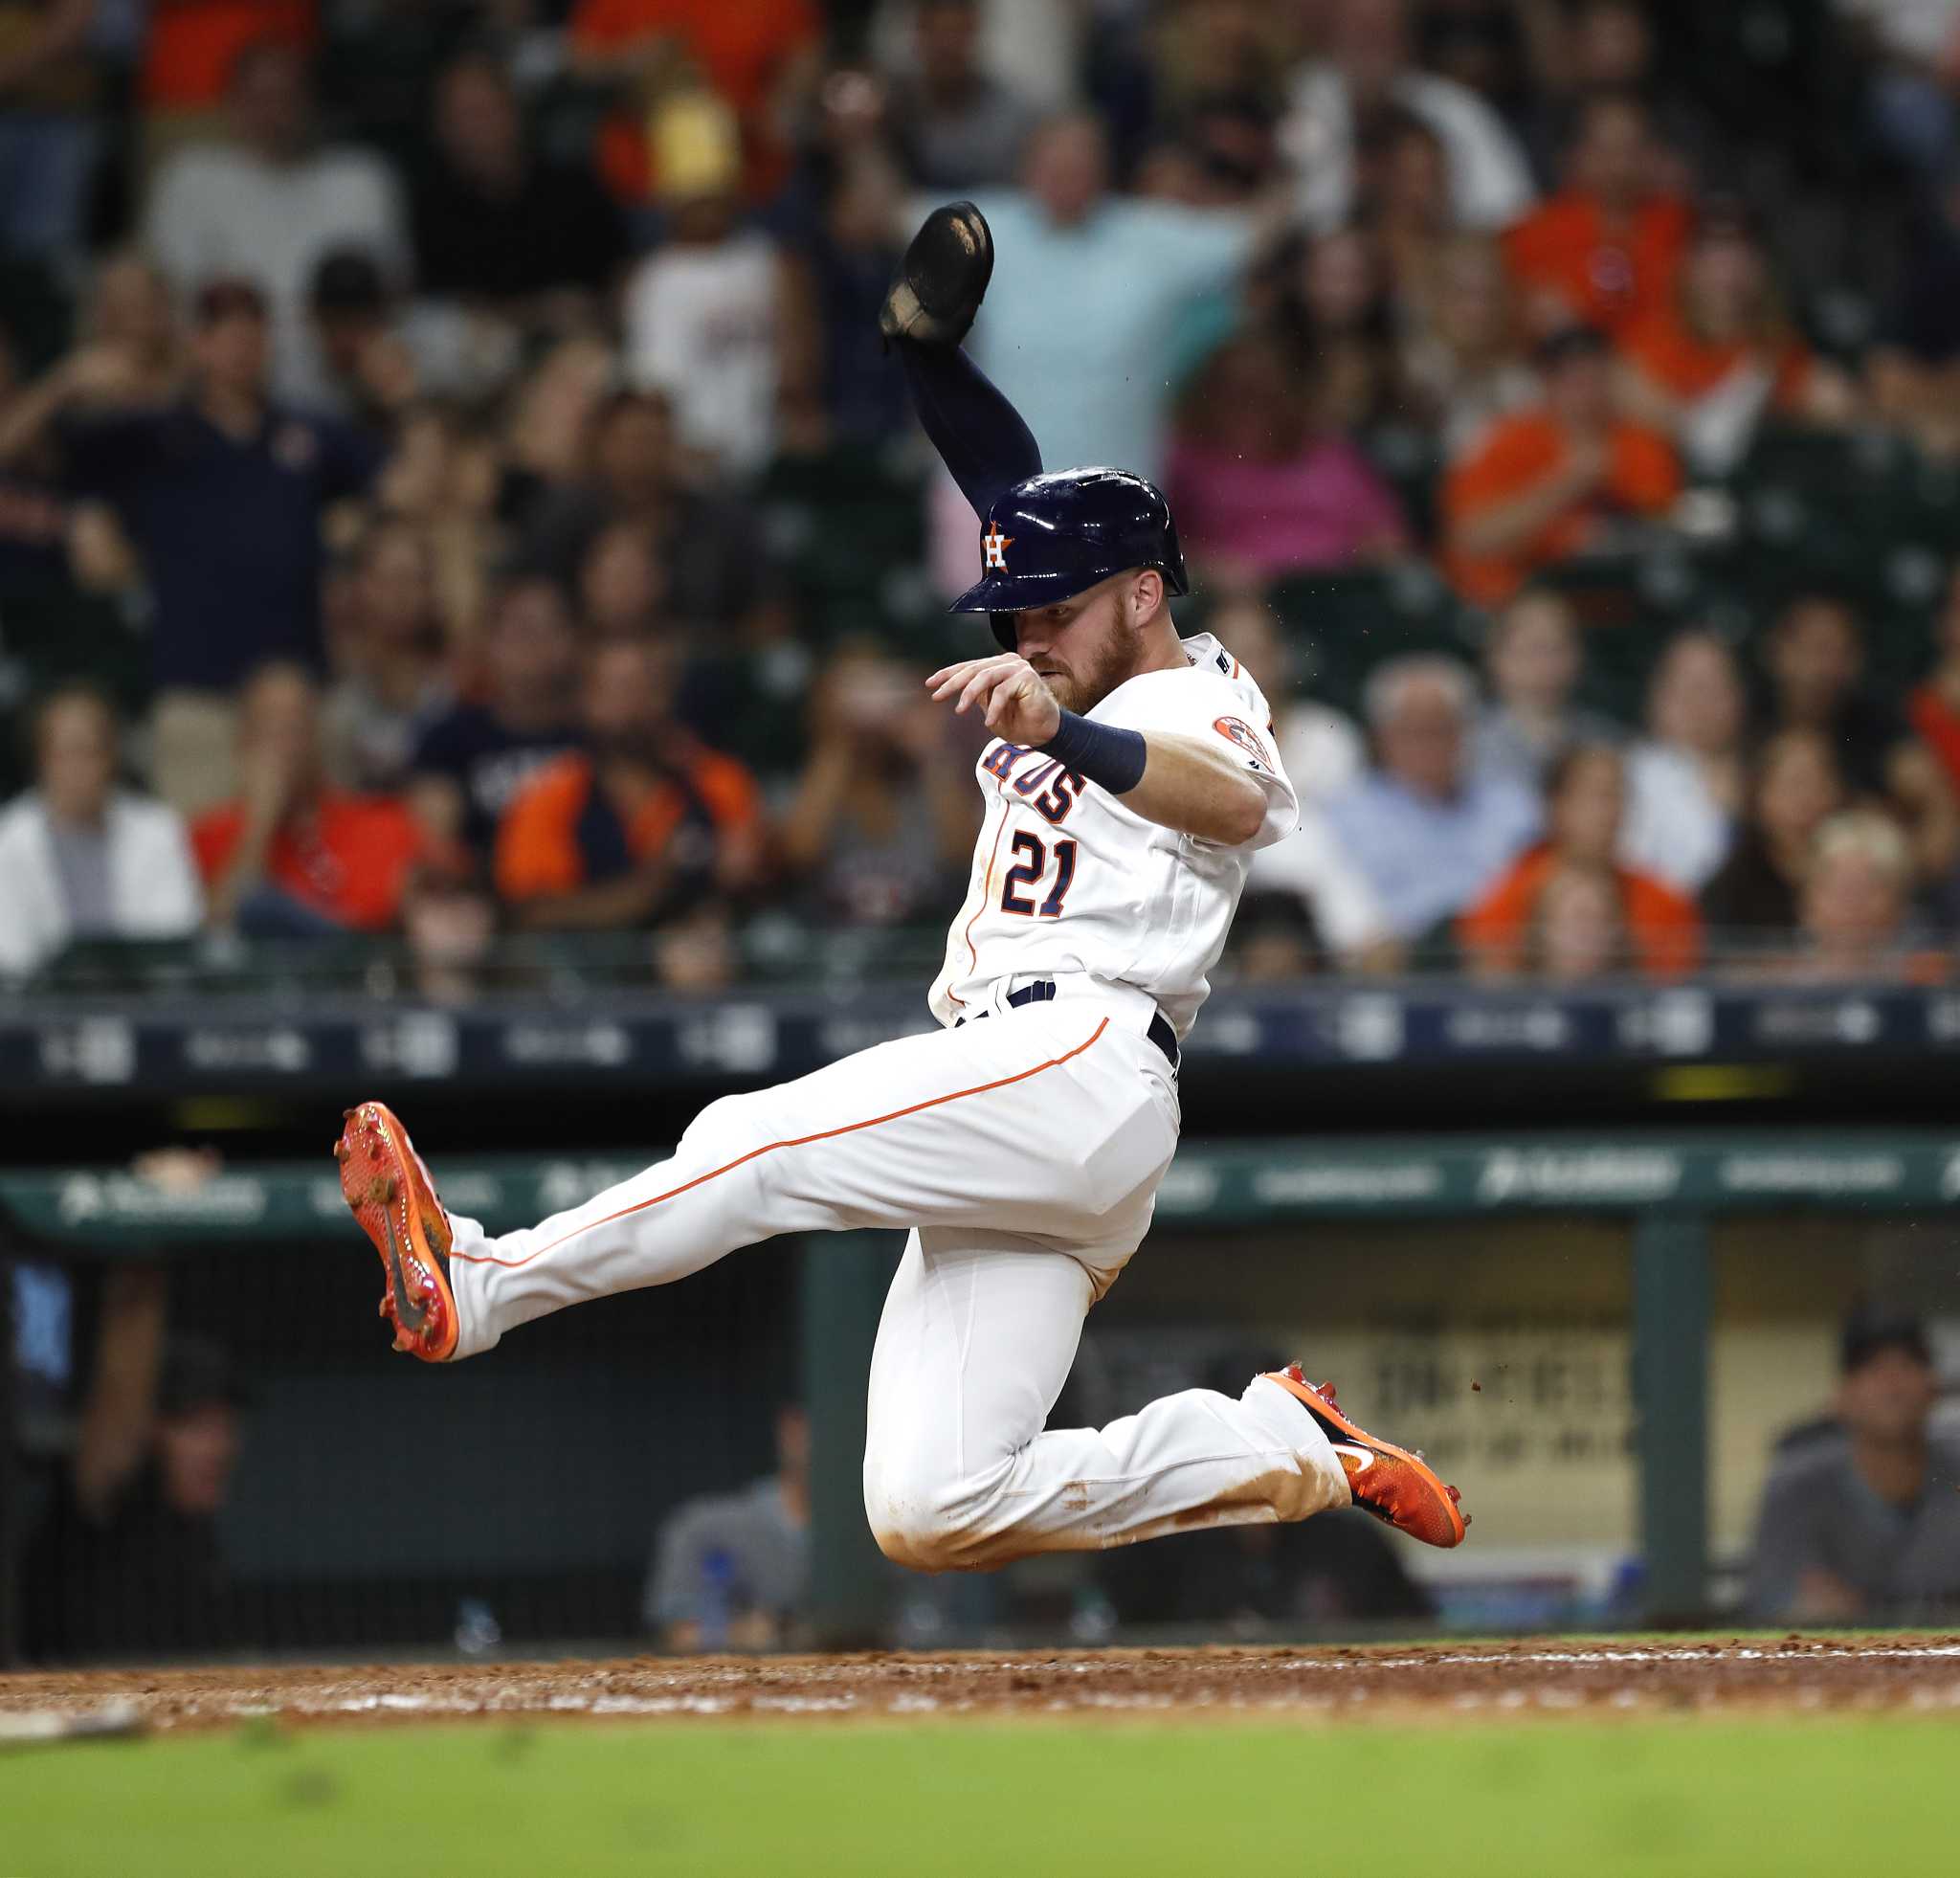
(1052,536)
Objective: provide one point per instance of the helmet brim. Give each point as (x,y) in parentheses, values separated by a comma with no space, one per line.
(1016,593)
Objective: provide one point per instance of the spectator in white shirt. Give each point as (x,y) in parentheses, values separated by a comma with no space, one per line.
(1322,752)
(1534,660)
(715,317)
(268,207)
(81,858)
(1685,779)
(1370,66)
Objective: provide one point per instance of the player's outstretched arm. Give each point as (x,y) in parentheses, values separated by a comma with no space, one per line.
(1177,782)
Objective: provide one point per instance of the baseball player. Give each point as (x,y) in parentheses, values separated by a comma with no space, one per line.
(1130,775)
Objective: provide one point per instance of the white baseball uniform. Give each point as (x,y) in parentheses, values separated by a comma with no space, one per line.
(1021,1145)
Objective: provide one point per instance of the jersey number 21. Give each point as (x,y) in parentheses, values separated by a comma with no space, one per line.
(1031,870)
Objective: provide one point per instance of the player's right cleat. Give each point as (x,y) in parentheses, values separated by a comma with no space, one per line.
(942,279)
(1398,1488)
(383,1181)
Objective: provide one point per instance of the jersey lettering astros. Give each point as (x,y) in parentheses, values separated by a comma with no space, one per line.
(1068,880)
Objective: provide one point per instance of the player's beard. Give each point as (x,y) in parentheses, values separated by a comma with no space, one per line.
(1115,662)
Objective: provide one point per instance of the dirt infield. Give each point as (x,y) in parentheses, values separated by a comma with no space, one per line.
(1913,1672)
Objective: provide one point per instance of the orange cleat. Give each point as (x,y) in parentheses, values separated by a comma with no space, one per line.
(1396,1487)
(383,1181)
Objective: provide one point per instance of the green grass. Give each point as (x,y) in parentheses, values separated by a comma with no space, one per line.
(1772,1799)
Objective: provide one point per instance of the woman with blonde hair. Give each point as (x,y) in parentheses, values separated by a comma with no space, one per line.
(1858,919)
(1684,777)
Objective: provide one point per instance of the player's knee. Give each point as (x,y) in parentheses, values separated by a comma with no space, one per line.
(918,1537)
(723,1117)
(726,1133)
(916,1519)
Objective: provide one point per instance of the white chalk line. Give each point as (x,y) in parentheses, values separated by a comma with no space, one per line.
(1718,1653)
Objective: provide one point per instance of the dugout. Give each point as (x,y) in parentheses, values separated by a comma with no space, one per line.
(1599,1339)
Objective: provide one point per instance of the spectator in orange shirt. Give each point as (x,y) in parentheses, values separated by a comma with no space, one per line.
(1584,805)
(1605,249)
(1550,482)
(1578,928)
(645,824)
(293,857)
(1706,365)
(751,53)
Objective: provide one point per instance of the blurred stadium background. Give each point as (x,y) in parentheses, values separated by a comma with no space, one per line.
(464,570)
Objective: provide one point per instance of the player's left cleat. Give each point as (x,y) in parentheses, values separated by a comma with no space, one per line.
(940,280)
(383,1181)
(1398,1488)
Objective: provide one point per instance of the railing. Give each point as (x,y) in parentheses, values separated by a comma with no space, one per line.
(289,1018)
(778,951)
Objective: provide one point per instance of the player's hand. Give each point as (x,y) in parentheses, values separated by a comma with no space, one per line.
(1014,700)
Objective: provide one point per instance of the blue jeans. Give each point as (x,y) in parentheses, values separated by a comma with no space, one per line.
(47,162)
(271,913)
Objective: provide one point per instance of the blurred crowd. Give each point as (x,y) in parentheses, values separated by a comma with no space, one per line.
(451,487)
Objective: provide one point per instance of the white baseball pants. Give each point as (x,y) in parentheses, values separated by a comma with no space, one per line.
(1023,1151)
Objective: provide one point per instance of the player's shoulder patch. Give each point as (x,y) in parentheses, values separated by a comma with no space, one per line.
(1236,730)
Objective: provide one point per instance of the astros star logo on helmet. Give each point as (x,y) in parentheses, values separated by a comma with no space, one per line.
(996,546)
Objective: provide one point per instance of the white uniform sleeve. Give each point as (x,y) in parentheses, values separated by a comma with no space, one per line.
(1206,705)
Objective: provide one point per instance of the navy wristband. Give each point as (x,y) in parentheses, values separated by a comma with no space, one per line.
(1109,757)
